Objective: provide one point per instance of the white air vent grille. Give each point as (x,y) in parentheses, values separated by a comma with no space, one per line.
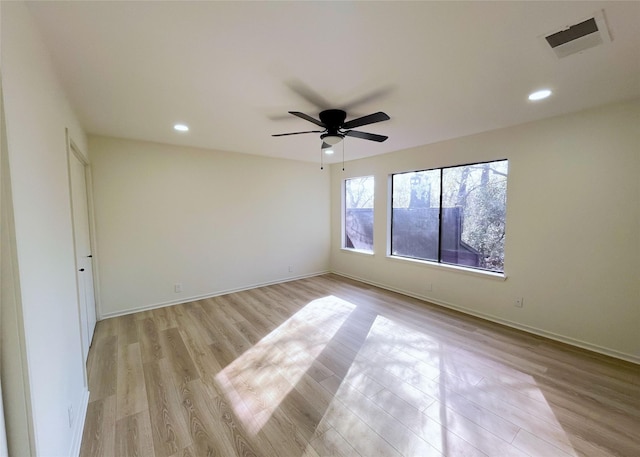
(579,37)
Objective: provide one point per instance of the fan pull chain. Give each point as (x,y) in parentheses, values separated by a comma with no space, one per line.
(343,141)
(321,158)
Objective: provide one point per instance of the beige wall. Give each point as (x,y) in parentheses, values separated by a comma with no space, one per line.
(212,221)
(573,224)
(37,114)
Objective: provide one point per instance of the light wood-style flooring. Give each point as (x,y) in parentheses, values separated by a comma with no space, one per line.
(327,366)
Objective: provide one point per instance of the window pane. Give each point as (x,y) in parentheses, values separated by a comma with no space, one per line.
(358,218)
(474,208)
(415,214)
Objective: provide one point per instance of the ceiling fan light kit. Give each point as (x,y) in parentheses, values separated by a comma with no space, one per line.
(335,127)
(331,139)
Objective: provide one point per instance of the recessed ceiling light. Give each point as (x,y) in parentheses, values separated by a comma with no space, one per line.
(181,128)
(539,95)
(328,151)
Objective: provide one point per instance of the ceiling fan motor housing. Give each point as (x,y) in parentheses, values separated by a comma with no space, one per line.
(333,119)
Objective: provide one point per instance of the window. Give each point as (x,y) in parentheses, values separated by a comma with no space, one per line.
(452,215)
(358,214)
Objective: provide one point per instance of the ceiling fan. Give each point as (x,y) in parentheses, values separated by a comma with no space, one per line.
(335,127)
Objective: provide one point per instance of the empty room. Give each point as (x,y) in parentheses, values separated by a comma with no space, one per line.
(316,228)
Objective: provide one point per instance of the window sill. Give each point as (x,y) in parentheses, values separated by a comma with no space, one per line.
(357,251)
(457,268)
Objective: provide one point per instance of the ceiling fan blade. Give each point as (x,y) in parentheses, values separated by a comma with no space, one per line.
(364,120)
(307,118)
(366,136)
(367,98)
(308,94)
(298,133)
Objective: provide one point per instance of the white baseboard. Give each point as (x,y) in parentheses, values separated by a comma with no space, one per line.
(209,295)
(536,331)
(78,427)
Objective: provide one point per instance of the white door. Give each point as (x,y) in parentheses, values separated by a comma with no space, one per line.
(84,259)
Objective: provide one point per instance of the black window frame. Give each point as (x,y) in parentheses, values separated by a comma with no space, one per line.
(440,218)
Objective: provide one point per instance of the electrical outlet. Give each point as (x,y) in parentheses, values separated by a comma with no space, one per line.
(428,287)
(519,302)
(70,412)
(177,288)
(290,268)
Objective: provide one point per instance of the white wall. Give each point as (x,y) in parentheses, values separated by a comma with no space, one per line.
(212,221)
(37,114)
(12,347)
(573,223)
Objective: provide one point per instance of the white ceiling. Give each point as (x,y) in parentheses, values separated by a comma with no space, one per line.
(232,70)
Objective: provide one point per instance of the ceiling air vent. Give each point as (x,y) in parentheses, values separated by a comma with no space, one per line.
(579,37)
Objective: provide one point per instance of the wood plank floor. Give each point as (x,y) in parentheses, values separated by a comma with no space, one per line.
(330,367)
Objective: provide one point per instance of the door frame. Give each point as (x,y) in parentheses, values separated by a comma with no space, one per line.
(72,148)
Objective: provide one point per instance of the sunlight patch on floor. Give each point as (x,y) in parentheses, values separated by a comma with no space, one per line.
(259,380)
(450,397)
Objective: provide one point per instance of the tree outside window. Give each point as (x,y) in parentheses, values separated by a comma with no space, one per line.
(358,216)
(452,215)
